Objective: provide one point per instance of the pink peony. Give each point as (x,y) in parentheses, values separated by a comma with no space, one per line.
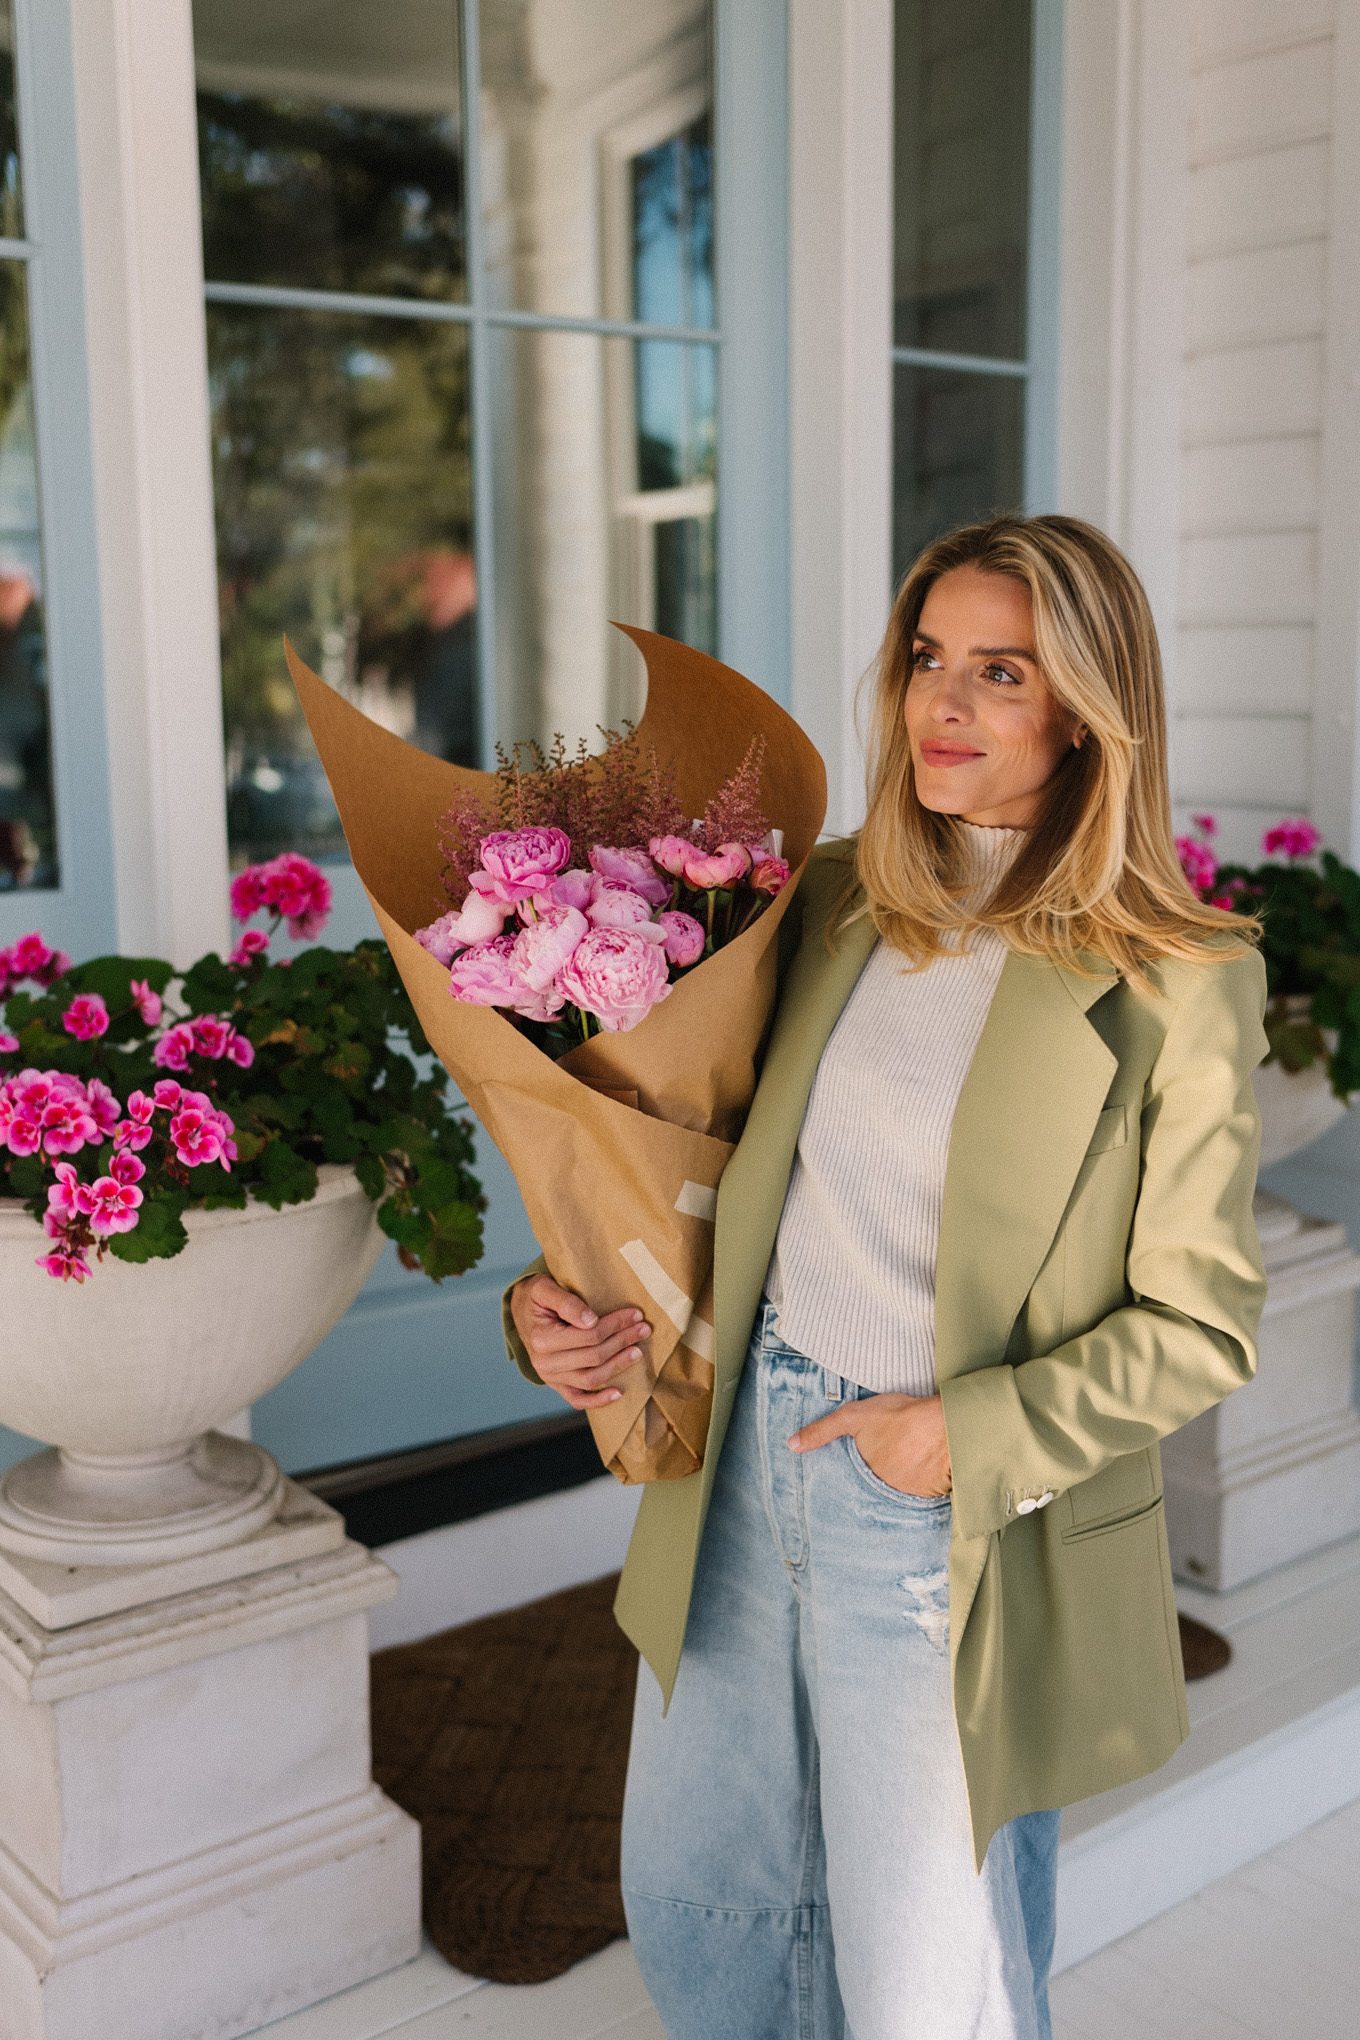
(618,906)
(540,949)
(147,1002)
(617,975)
(87,1017)
(478,920)
(670,853)
(769,874)
(544,1005)
(1296,837)
(575,888)
(485,976)
(707,870)
(631,868)
(684,937)
(519,862)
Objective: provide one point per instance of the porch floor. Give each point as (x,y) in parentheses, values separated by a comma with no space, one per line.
(1270,1950)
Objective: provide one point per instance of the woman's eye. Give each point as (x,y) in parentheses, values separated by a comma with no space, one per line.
(920,656)
(1002,673)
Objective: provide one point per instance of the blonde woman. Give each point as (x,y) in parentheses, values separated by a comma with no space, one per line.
(986,1239)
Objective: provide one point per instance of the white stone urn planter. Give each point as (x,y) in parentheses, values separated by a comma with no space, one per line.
(1296,1107)
(124,1376)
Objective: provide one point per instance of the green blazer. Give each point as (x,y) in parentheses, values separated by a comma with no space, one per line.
(1098,1284)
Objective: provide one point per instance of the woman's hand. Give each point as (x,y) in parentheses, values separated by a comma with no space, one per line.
(901,1437)
(573,1350)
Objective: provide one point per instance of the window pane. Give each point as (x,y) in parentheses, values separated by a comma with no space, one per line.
(344,517)
(11,204)
(958,453)
(330,152)
(605,506)
(28,850)
(961,175)
(596,160)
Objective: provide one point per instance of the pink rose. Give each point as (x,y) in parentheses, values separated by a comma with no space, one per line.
(670,853)
(631,868)
(707,870)
(684,938)
(485,976)
(147,1002)
(543,946)
(769,874)
(518,862)
(617,975)
(87,1017)
(617,906)
(1297,838)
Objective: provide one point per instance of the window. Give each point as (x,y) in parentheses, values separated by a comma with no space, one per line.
(462,355)
(971,362)
(28,822)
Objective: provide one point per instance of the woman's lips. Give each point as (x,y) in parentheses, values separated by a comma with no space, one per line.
(939,756)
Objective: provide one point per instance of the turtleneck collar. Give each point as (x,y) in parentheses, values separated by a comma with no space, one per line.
(988,852)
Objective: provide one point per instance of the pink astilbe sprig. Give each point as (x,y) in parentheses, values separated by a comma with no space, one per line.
(734,814)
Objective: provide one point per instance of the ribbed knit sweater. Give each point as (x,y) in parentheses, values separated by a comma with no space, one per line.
(852,1274)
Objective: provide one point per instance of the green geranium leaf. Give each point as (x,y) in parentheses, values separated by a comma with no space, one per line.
(157,1236)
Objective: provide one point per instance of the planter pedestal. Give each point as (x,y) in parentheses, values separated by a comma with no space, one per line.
(1273,1471)
(190,1840)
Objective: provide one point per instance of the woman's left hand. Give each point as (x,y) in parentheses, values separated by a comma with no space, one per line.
(901,1437)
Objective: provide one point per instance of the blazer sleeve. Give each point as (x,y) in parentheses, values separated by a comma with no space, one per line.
(514,1345)
(1194,1269)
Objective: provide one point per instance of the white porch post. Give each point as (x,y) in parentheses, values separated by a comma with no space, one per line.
(143,273)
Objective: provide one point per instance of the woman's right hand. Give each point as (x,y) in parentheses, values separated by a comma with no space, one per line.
(572,1349)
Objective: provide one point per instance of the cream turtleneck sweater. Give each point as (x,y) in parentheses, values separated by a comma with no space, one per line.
(852,1275)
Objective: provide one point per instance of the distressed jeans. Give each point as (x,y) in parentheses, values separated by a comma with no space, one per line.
(797,1860)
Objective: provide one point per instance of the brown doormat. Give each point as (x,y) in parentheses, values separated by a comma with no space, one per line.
(507,1739)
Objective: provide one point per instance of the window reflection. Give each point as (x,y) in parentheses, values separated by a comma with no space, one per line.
(343,489)
(958,453)
(28,851)
(596,160)
(603,508)
(330,153)
(11,202)
(961,175)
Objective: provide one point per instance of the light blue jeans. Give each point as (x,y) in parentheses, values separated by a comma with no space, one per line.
(797,1861)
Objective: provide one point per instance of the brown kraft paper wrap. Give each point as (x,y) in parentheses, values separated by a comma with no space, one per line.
(617,1147)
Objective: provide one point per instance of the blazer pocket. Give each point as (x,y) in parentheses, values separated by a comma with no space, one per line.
(1099,1524)
(1112,1129)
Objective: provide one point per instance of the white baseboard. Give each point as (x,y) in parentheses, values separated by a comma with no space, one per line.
(505,1558)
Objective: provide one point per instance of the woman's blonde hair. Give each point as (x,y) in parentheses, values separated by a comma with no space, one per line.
(1098,870)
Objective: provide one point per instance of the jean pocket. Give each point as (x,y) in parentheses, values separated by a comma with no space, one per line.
(883,1488)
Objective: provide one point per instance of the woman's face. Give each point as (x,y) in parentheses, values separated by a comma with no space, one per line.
(986,734)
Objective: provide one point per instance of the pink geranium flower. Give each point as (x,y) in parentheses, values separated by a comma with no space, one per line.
(633,868)
(174,1048)
(103,1107)
(110,1206)
(252,943)
(66,1263)
(291,885)
(87,1017)
(1197,862)
(617,975)
(1206,824)
(1296,838)
(147,1002)
(8,1042)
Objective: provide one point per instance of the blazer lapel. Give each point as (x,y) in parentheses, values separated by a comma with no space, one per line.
(1024,1119)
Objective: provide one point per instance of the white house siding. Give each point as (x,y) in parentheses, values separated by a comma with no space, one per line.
(1261,206)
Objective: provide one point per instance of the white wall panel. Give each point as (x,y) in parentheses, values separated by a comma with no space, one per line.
(1245,669)
(1230,28)
(1249,579)
(1262,294)
(1258,201)
(1260,759)
(1257,485)
(1259,392)
(1275,96)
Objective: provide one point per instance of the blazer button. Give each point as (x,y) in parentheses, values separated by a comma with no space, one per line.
(1025,1504)
(1046,1496)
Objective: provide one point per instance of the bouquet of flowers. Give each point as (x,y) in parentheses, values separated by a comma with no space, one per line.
(598,978)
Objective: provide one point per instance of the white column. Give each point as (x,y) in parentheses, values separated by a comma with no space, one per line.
(143,274)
